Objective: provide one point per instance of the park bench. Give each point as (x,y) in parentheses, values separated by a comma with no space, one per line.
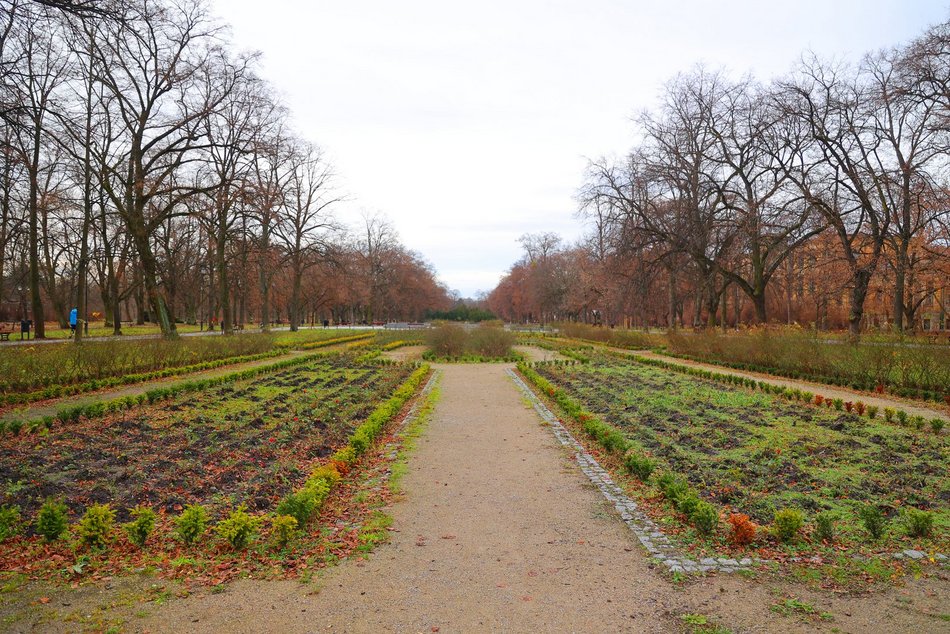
(6,330)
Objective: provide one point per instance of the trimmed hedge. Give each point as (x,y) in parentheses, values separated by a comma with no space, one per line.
(332,342)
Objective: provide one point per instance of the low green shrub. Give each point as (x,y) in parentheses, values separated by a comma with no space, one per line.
(787,523)
(192,523)
(141,526)
(825,527)
(688,503)
(52,520)
(675,490)
(873,520)
(303,504)
(10,521)
(918,422)
(937,424)
(95,527)
(872,411)
(705,518)
(889,414)
(283,529)
(639,465)
(918,523)
(239,528)
(902,417)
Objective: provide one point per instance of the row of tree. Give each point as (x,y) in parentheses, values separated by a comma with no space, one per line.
(146,159)
(735,184)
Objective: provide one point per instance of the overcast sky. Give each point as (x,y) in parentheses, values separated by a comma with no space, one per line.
(470,123)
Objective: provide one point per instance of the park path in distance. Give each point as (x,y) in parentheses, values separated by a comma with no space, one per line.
(499,531)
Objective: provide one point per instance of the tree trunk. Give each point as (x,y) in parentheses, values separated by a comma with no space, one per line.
(295,297)
(861,279)
(758,300)
(36,300)
(224,300)
(900,278)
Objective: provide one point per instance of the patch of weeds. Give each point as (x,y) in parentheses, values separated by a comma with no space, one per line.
(411,432)
(374,532)
(701,623)
(795,607)
(694,619)
(13,582)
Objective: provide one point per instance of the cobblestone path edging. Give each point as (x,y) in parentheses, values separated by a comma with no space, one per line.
(651,537)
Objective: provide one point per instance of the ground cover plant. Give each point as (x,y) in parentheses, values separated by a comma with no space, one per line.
(248,442)
(881,364)
(796,471)
(68,370)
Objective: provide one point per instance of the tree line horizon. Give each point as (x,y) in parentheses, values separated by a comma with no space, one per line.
(814,196)
(148,170)
(147,161)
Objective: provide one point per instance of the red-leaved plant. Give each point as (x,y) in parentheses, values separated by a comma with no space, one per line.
(859,408)
(743,529)
(848,405)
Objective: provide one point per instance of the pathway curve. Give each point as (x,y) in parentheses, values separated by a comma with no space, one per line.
(500,531)
(828,391)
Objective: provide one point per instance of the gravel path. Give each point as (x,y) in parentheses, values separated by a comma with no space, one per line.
(500,531)
(828,391)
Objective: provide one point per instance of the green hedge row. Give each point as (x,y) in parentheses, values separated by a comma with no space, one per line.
(901,417)
(56,391)
(100,408)
(332,342)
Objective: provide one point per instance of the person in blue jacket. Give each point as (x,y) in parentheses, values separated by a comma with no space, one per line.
(73,316)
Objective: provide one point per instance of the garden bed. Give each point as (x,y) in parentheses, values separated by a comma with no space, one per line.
(248,442)
(754,453)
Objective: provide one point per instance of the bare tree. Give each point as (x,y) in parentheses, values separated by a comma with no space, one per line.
(159,74)
(305,225)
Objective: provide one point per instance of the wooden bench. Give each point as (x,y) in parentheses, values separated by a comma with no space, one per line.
(6,330)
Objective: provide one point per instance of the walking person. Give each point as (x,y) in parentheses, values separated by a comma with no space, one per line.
(73,318)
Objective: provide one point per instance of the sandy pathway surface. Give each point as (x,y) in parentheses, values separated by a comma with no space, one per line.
(499,531)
